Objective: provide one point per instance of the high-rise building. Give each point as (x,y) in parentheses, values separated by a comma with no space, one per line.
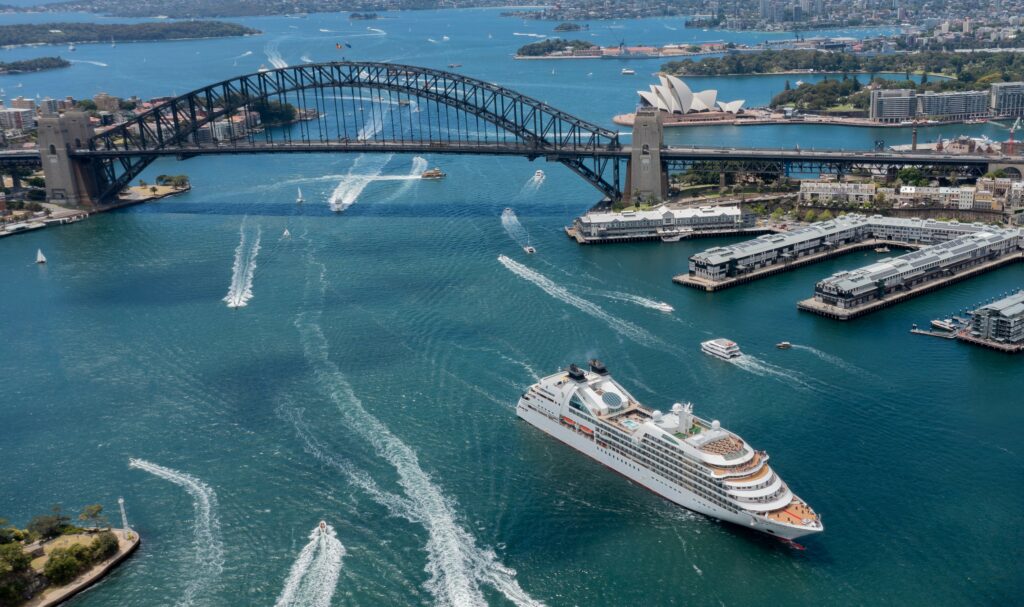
(892,105)
(17,119)
(48,107)
(1008,99)
(765,9)
(954,105)
(107,103)
(23,103)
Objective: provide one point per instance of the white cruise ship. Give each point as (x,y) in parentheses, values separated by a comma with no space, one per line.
(721,347)
(691,461)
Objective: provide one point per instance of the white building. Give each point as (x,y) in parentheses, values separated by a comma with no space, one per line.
(659,222)
(675,97)
(17,119)
(814,191)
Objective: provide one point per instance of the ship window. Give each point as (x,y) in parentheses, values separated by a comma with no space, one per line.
(612,399)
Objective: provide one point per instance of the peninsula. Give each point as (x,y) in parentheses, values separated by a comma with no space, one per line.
(80,33)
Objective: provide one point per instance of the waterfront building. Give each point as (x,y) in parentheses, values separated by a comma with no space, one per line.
(23,103)
(659,222)
(828,191)
(1008,99)
(953,105)
(850,289)
(675,97)
(1001,321)
(721,263)
(49,107)
(892,105)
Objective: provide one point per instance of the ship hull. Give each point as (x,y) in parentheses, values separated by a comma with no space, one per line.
(650,479)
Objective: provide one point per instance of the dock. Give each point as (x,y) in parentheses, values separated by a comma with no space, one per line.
(836,313)
(705,284)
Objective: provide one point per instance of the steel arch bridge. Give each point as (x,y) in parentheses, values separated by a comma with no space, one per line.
(353,106)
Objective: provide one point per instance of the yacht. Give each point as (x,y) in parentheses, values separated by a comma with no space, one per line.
(40,258)
(882,249)
(299,199)
(944,324)
(721,348)
(538,174)
(691,461)
(627,71)
(784,345)
(434,173)
(71,48)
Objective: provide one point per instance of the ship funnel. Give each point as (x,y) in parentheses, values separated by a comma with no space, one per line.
(575,373)
(598,367)
(684,415)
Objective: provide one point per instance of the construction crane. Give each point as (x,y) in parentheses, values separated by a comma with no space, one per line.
(1010,143)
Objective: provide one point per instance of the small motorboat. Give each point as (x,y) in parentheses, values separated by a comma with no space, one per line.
(538,174)
(627,71)
(434,173)
(322,527)
(262,69)
(784,345)
(40,258)
(454,65)
(529,249)
(71,48)
(298,198)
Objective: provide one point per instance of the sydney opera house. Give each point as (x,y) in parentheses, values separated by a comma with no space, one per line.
(674,97)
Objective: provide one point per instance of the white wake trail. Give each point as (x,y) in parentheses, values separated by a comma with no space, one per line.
(376,31)
(352,185)
(371,130)
(620,326)
(314,575)
(419,164)
(755,365)
(455,563)
(638,300)
(834,360)
(306,59)
(245,54)
(244,269)
(209,561)
(274,55)
(532,185)
(526,35)
(96,63)
(513,228)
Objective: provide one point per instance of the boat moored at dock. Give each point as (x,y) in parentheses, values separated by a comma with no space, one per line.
(693,462)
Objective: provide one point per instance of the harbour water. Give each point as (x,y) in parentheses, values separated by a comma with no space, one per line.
(370,377)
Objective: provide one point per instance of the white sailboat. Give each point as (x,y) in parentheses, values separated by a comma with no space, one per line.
(40,258)
(286,234)
(299,199)
(112,43)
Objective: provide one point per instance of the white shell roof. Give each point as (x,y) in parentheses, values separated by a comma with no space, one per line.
(673,95)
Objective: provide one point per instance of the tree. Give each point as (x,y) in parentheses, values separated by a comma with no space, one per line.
(49,526)
(6,532)
(62,566)
(152,189)
(103,546)
(14,564)
(809,216)
(924,77)
(825,215)
(142,183)
(93,514)
(778,213)
(787,86)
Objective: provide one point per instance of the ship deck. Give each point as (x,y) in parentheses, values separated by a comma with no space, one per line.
(794,514)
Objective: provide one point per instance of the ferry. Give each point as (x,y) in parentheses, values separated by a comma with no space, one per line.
(784,345)
(627,71)
(434,173)
(721,348)
(693,462)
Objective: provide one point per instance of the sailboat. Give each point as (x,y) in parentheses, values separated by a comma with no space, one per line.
(299,199)
(112,43)
(286,234)
(40,258)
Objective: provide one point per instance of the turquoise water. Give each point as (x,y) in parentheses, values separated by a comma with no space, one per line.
(370,380)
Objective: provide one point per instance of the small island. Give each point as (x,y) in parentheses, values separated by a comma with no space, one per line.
(554,45)
(570,27)
(33,65)
(363,16)
(51,559)
(80,33)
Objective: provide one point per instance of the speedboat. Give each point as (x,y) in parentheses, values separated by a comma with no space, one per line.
(299,199)
(454,65)
(627,71)
(721,348)
(434,173)
(263,69)
(71,48)
(783,345)
(322,527)
(40,258)
(538,174)
(529,249)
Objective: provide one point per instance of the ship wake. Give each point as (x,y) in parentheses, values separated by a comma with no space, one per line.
(274,55)
(314,575)
(352,185)
(209,550)
(243,271)
(638,300)
(762,368)
(456,565)
(513,228)
(620,326)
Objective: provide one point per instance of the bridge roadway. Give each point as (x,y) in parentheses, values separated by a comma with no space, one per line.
(678,153)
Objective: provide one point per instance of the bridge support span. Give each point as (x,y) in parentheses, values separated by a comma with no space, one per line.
(646,177)
(69,181)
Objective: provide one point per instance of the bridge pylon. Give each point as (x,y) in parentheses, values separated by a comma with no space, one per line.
(646,177)
(68,181)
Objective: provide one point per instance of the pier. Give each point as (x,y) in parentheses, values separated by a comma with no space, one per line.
(706,284)
(573,233)
(837,313)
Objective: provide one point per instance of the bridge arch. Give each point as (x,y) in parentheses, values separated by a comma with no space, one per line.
(437,112)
